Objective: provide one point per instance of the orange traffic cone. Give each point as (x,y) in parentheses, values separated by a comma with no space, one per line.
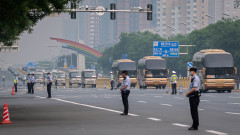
(13,91)
(6,118)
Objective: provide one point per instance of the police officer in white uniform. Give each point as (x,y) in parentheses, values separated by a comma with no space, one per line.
(49,85)
(112,82)
(194,94)
(125,91)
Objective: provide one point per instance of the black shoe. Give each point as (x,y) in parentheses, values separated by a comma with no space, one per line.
(123,114)
(48,97)
(192,128)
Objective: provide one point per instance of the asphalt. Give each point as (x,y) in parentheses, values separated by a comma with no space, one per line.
(96,112)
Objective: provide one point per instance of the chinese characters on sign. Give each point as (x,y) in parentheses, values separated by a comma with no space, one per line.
(166,49)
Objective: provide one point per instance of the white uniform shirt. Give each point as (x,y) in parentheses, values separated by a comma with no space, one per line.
(126,82)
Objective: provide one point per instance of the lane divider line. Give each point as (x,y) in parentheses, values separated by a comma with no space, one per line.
(178,98)
(216,132)
(154,119)
(91,106)
(166,104)
(141,102)
(180,125)
(234,103)
(204,101)
(232,113)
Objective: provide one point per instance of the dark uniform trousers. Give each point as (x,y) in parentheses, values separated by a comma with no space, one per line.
(112,83)
(29,87)
(15,87)
(174,88)
(32,88)
(125,95)
(49,86)
(194,102)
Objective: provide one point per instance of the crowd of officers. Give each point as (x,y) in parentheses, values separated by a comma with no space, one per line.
(30,83)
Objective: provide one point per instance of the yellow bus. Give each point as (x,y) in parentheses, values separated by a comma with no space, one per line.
(215,69)
(124,64)
(152,71)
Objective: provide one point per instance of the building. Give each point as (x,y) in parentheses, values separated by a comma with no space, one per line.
(183,16)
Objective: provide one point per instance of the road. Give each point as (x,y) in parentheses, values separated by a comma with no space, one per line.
(96,112)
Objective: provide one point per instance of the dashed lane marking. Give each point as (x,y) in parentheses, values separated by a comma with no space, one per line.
(91,106)
(141,102)
(40,97)
(199,109)
(157,96)
(234,103)
(233,97)
(154,119)
(166,104)
(209,95)
(216,132)
(204,101)
(233,113)
(180,125)
(178,98)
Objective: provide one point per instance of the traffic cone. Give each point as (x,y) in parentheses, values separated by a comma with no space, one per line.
(6,118)
(13,91)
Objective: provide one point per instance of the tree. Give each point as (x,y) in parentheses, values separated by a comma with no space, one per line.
(237,3)
(17,16)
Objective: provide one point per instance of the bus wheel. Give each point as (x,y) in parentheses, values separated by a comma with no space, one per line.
(144,87)
(156,87)
(140,86)
(163,87)
(229,91)
(83,86)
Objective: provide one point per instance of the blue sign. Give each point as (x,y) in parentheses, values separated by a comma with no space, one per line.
(124,56)
(189,64)
(165,48)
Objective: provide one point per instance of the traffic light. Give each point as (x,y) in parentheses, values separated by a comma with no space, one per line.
(112,14)
(149,14)
(73,13)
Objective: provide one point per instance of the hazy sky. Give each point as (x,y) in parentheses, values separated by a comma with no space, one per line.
(33,47)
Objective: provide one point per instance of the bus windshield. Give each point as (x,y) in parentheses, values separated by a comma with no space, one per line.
(156,73)
(90,74)
(131,74)
(220,73)
(75,75)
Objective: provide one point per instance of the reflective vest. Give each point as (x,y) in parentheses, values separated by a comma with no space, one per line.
(174,78)
(15,80)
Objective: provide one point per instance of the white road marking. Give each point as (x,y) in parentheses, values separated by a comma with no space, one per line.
(178,98)
(232,113)
(141,101)
(40,97)
(180,125)
(216,132)
(198,109)
(157,96)
(204,101)
(234,103)
(233,97)
(166,104)
(107,97)
(91,106)
(209,95)
(154,119)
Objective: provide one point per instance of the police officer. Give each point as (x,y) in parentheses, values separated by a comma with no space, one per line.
(56,81)
(3,76)
(193,94)
(112,82)
(15,82)
(125,91)
(174,82)
(49,85)
(29,83)
(32,84)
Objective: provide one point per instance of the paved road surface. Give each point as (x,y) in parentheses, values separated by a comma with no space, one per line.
(96,112)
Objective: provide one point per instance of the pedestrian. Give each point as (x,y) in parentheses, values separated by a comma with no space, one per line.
(193,94)
(15,82)
(3,76)
(112,82)
(32,84)
(56,81)
(49,85)
(125,91)
(29,83)
(173,82)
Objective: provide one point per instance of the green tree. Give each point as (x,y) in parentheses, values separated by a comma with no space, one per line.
(17,16)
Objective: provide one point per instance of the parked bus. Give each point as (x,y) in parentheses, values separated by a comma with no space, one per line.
(215,70)
(75,78)
(89,77)
(124,64)
(152,71)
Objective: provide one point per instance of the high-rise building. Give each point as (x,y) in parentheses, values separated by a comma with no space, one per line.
(183,16)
